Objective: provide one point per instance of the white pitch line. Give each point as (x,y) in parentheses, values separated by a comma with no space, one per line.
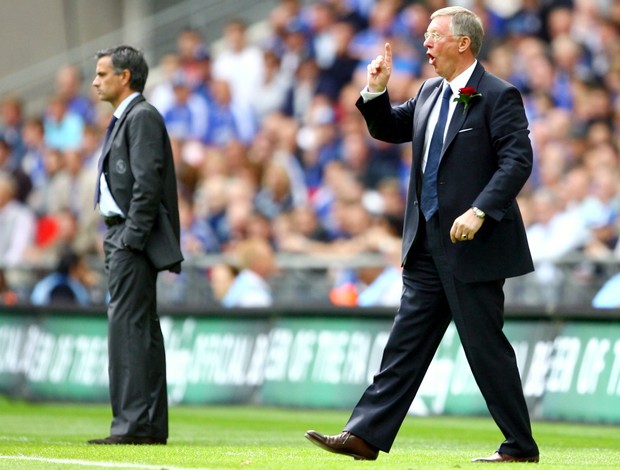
(87,463)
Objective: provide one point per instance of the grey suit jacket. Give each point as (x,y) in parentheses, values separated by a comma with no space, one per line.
(486,159)
(139,168)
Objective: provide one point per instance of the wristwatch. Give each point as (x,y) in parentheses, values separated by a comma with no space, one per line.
(479,213)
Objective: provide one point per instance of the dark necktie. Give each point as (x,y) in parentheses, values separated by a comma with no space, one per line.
(100,163)
(429,201)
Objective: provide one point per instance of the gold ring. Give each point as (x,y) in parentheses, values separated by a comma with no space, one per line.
(464,237)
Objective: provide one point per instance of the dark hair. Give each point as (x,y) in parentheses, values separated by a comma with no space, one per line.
(128,58)
(68,259)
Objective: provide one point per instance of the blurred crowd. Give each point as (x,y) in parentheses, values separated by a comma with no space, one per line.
(272,157)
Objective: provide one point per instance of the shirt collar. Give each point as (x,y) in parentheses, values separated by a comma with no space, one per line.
(118,112)
(460,81)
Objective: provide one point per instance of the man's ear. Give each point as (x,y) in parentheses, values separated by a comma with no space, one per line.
(126,77)
(464,43)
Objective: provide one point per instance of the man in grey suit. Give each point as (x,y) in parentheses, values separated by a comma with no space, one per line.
(137,197)
(463,235)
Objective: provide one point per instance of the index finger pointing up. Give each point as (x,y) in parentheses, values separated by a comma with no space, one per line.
(388,55)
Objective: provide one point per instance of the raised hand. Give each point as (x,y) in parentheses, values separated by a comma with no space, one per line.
(379,71)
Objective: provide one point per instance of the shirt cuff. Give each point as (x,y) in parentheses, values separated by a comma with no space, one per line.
(368,95)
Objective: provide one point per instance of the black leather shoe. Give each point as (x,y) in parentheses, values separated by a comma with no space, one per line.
(344,443)
(498,457)
(129,440)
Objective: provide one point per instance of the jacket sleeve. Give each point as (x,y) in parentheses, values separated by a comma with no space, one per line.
(510,139)
(387,123)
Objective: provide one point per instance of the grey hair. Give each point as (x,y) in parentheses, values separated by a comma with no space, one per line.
(464,22)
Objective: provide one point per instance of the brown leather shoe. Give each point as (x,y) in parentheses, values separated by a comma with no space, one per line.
(129,440)
(498,457)
(344,443)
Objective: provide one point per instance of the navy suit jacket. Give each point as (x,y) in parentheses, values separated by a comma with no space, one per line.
(139,168)
(486,160)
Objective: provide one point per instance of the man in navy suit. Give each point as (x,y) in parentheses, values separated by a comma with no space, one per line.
(463,236)
(137,197)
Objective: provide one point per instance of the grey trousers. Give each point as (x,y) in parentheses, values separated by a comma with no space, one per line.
(137,359)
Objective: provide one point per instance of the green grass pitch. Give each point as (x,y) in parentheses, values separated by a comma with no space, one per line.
(52,437)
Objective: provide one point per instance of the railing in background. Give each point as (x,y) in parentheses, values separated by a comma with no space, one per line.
(307,280)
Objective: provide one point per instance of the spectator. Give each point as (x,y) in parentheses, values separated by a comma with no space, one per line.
(190,44)
(256,261)
(33,136)
(63,128)
(553,232)
(308,225)
(319,140)
(54,233)
(68,284)
(368,42)
(281,146)
(68,87)
(11,121)
(187,116)
(260,226)
(381,286)
(574,189)
(373,285)
(275,195)
(279,18)
(223,125)
(203,72)
(295,47)
(17,224)
(197,237)
(212,206)
(42,198)
(305,86)
(355,12)
(161,94)
(73,188)
(271,93)
(236,61)
(336,73)
(8,165)
(601,211)
(552,235)
(222,276)
(322,19)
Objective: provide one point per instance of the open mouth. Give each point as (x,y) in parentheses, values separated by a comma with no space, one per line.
(431,58)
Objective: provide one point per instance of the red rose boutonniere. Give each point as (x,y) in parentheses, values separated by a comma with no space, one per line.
(466,95)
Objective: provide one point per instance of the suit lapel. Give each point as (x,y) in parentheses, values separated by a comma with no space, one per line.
(456,123)
(119,124)
(108,142)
